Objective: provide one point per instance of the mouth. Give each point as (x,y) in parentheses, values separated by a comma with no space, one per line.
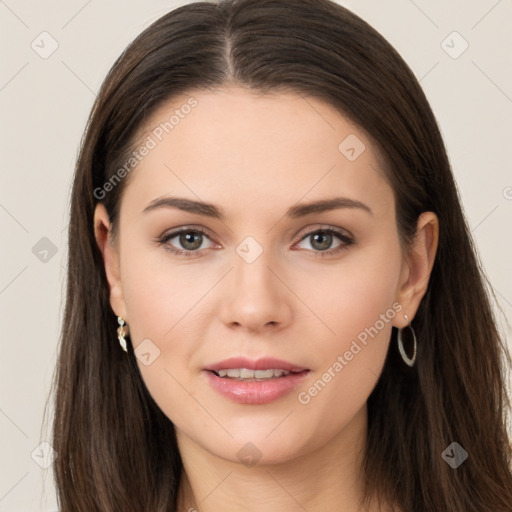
(254,381)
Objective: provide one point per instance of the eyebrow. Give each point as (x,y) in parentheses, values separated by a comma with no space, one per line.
(294,212)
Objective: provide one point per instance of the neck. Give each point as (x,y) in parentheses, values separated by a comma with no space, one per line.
(327,478)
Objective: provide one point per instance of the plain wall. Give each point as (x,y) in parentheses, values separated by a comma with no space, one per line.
(45,102)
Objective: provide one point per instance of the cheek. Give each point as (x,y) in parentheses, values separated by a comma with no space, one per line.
(348,299)
(160,300)
(158,293)
(163,304)
(357,310)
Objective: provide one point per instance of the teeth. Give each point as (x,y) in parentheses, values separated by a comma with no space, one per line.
(245,373)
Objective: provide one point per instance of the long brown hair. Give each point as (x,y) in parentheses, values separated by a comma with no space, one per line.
(116,450)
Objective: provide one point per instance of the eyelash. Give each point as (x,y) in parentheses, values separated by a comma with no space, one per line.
(347,240)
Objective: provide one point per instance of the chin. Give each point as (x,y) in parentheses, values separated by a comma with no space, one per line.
(258,447)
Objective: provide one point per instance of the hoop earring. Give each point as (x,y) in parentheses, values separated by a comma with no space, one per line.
(407,360)
(121,333)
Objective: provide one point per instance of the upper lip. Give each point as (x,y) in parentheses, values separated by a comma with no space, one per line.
(265,363)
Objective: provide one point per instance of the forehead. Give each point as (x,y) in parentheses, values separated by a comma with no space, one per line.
(236,143)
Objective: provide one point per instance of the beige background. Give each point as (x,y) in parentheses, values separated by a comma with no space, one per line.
(45,103)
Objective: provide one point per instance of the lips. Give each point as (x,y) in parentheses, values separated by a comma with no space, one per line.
(255,391)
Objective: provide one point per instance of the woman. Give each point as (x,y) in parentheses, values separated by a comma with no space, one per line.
(273,297)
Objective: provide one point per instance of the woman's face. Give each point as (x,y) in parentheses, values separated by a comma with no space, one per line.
(262,279)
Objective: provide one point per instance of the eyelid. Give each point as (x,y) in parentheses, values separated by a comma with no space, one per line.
(313,228)
(186,227)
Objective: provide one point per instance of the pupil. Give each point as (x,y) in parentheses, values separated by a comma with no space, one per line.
(325,236)
(190,237)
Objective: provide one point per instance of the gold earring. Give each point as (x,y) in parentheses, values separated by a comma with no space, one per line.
(121,333)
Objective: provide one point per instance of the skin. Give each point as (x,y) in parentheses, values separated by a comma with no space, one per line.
(255,156)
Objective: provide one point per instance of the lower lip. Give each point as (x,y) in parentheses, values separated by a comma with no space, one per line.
(255,392)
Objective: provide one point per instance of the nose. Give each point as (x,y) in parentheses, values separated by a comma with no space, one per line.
(255,295)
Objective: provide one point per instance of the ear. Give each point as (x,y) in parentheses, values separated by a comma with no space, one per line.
(110,252)
(417,267)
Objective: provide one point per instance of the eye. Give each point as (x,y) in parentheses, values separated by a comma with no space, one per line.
(322,239)
(191,239)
